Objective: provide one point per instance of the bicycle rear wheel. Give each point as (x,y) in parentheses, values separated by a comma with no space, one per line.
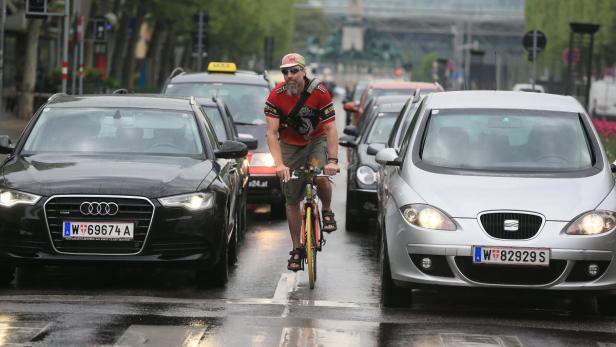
(310,247)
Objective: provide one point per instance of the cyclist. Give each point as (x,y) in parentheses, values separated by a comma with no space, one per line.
(301,129)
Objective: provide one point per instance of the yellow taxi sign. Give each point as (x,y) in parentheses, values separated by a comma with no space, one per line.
(217,66)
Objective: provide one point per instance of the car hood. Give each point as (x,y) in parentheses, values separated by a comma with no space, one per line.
(258,132)
(558,199)
(149,176)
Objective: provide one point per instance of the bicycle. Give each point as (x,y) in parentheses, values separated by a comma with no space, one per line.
(312,240)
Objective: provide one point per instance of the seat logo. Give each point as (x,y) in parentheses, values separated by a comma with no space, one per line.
(511,225)
(99,208)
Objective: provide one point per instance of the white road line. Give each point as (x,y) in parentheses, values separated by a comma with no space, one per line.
(286,285)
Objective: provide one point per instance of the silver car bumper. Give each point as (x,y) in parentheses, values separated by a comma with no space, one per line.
(454,250)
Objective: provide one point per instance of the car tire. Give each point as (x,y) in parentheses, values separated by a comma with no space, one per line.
(391,295)
(278,210)
(606,305)
(219,274)
(7,274)
(234,243)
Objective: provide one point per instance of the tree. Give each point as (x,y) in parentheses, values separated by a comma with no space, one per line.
(26,95)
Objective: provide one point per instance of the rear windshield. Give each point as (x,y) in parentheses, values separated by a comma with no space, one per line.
(506,140)
(246,101)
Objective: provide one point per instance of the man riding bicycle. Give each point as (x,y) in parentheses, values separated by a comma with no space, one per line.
(301,130)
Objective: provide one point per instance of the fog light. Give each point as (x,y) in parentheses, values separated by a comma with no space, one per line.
(593,270)
(426,263)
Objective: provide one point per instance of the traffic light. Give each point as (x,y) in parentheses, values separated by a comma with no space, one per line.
(99,29)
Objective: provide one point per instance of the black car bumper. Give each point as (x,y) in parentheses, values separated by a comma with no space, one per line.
(33,234)
(362,202)
(264,189)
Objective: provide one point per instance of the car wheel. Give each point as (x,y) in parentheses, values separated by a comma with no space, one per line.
(234,243)
(219,274)
(606,305)
(391,295)
(7,274)
(278,210)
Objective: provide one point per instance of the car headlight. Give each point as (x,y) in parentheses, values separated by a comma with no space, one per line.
(193,202)
(365,175)
(593,223)
(9,197)
(262,159)
(428,217)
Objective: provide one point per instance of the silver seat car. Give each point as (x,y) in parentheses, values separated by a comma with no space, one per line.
(498,189)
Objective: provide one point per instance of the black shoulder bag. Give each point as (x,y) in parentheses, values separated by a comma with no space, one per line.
(292,119)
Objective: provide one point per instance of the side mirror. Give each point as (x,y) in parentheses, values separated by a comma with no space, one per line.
(374,148)
(347,141)
(350,106)
(350,130)
(250,141)
(231,150)
(388,156)
(6,146)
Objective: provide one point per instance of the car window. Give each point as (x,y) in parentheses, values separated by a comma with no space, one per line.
(115,130)
(229,114)
(406,138)
(217,122)
(519,140)
(405,123)
(246,101)
(381,127)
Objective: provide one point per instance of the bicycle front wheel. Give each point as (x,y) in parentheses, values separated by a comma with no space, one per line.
(310,247)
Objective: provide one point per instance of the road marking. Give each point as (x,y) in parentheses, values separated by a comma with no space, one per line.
(286,285)
(474,340)
(161,335)
(300,337)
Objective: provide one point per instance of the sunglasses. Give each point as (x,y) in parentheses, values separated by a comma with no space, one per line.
(292,71)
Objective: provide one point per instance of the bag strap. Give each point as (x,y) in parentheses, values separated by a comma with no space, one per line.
(302,99)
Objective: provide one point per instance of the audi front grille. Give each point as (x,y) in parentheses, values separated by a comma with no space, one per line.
(78,208)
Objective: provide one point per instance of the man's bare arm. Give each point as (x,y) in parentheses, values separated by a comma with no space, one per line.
(274,147)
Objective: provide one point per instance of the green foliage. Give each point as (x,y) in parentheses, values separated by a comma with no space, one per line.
(553,18)
(424,72)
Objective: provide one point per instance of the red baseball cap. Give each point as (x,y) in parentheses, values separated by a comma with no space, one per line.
(292,59)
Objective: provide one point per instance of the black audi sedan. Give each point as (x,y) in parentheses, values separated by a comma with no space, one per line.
(119,179)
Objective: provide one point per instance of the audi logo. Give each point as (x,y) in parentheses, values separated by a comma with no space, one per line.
(99,208)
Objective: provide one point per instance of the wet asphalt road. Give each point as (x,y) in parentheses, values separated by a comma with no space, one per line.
(265,305)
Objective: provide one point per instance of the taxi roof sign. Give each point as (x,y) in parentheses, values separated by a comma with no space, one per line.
(221,67)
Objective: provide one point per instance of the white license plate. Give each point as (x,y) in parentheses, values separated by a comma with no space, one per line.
(511,256)
(109,231)
(257,184)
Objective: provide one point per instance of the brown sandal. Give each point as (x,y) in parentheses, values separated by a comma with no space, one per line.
(295,262)
(329,223)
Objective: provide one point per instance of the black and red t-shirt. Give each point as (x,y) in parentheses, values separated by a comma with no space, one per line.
(318,109)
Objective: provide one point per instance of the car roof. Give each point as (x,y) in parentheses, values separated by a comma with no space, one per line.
(153,101)
(391,107)
(405,85)
(203,77)
(495,99)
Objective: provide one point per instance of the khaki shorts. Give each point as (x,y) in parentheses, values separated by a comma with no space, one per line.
(314,153)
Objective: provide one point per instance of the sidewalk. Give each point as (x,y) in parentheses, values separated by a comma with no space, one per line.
(9,125)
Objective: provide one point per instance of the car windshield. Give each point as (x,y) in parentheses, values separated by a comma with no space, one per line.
(114,130)
(381,128)
(216,119)
(246,101)
(517,140)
